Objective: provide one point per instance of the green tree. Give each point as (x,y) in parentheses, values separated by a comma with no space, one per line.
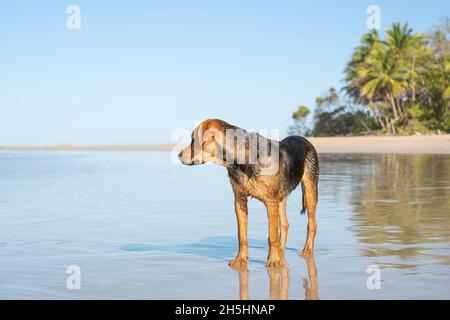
(299,116)
(392,78)
(438,38)
(400,84)
(383,78)
(334,118)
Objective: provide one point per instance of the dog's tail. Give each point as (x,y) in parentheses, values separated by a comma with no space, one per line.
(310,179)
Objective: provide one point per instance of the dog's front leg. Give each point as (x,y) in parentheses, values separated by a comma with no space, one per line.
(240,204)
(274,259)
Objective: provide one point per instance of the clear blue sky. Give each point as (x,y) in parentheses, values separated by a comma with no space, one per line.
(137,70)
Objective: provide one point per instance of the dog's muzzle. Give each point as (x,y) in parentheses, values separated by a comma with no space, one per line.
(187,162)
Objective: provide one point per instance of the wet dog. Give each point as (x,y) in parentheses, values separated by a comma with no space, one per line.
(264,169)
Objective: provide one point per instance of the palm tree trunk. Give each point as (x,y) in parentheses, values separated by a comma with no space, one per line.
(384,122)
(393,126)
(390,101)
(413,87)
(401,107)
(394,106)
(379,121)
(379,118)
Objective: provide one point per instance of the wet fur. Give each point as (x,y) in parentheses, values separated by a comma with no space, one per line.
(297,157)
(298,164)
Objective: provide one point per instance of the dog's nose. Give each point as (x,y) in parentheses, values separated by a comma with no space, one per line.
(180,156)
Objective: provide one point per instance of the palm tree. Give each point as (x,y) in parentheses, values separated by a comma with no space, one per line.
(401,79)
(353,87)
(355,83)
(383,73)
(399,39)
(409,50)
(384,79)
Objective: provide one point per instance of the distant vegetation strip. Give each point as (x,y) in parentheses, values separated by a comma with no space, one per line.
(69,147)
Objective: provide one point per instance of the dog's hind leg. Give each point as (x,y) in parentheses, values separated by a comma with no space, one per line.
(240,204)
(310,181)
(312,226)
(284,226)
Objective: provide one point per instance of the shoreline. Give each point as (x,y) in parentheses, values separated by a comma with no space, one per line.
(435,144)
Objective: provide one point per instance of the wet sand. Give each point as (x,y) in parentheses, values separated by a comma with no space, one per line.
(433,144)
(141,227)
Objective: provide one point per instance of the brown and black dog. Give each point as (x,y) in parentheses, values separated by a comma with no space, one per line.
(264,169)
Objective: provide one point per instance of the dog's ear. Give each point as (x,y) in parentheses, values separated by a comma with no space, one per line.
(212,140)
(211,130)
(209,135)
(198,135)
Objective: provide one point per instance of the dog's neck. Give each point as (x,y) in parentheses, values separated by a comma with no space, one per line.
(239,171)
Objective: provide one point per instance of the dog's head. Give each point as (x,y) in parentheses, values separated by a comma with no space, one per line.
(206,144)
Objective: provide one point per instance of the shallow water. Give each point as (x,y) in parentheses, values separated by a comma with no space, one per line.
(139,226)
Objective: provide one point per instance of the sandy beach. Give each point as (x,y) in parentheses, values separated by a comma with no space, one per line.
(436,144)
(433,144)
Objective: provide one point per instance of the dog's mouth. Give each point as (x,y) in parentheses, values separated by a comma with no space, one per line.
(188,160)
(193,163)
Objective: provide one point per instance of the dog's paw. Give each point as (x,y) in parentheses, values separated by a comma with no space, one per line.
(275,263)
(307,252)
(238,262)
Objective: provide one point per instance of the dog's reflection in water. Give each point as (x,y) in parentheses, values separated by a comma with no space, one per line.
(279,281)
(222,248)
(311,287)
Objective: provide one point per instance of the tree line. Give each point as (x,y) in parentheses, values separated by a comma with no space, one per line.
(396,84)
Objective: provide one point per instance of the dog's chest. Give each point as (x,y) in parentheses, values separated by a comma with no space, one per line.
(250,184)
